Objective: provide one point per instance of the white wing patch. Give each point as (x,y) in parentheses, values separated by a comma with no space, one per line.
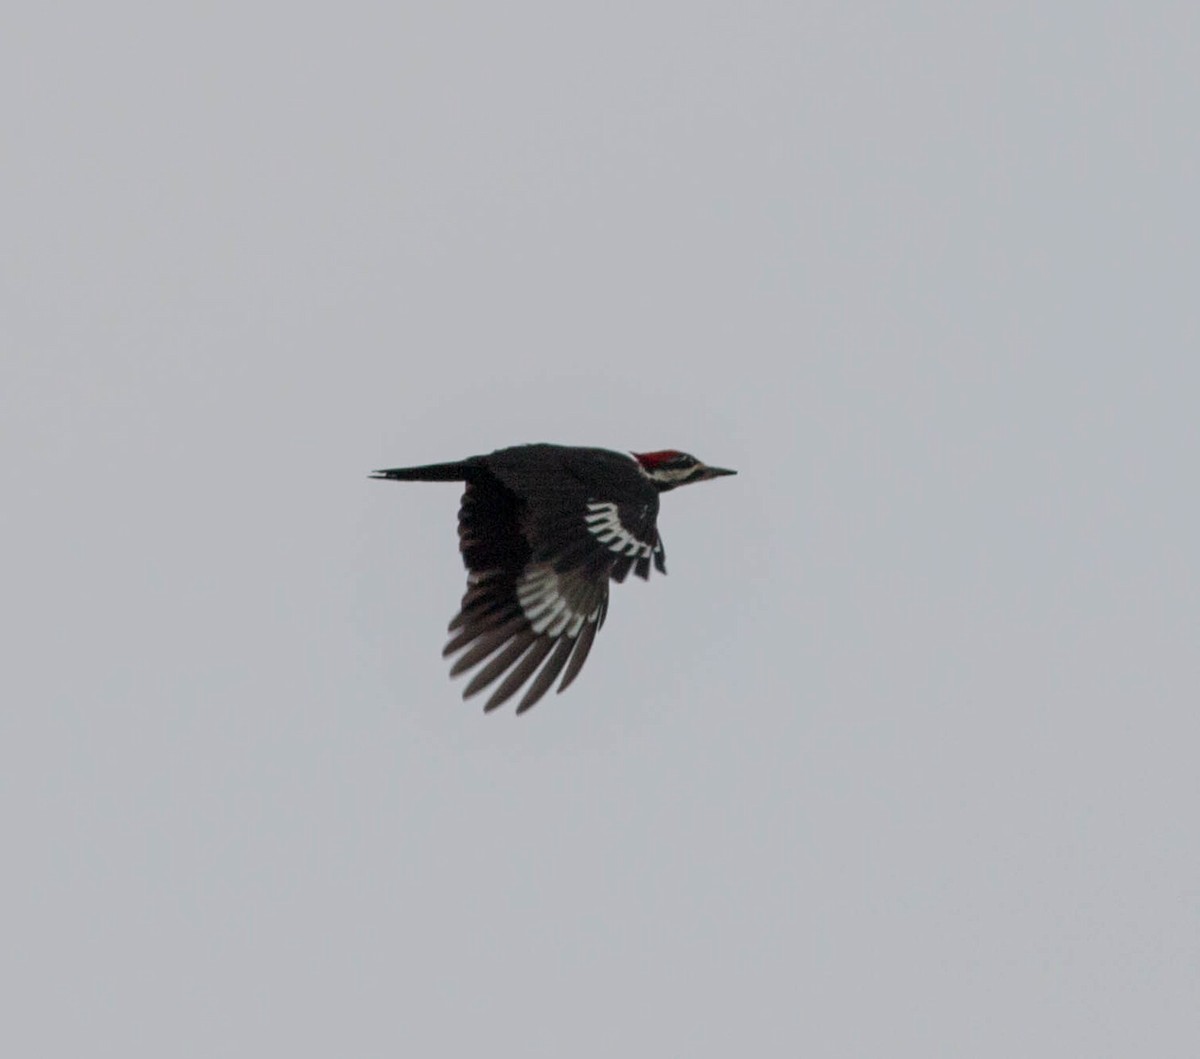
(545,605)
(604,523)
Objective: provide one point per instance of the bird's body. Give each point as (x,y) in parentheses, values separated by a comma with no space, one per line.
(542,530)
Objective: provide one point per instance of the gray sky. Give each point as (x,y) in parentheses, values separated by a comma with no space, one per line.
(901,758)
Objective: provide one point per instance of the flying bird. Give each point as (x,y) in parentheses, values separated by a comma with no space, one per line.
(542,529)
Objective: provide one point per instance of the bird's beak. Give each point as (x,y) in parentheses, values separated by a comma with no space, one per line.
(714,472)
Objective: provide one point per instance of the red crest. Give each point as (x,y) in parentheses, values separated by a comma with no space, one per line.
(654,459)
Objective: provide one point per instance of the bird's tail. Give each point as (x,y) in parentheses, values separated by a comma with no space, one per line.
(434,472)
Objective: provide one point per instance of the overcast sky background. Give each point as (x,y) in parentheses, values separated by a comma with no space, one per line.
(901,757)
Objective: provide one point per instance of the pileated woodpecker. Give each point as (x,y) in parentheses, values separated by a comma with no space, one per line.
(542,529)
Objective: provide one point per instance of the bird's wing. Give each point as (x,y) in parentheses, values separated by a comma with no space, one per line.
(628,534)
(521,614)
(603,522)
(602,537)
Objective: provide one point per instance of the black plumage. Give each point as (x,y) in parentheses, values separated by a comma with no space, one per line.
(542,530)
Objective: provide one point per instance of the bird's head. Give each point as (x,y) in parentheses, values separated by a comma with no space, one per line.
(668,468)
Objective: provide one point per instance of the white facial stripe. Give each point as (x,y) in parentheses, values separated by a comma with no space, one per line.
(604,523)
(672,474)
